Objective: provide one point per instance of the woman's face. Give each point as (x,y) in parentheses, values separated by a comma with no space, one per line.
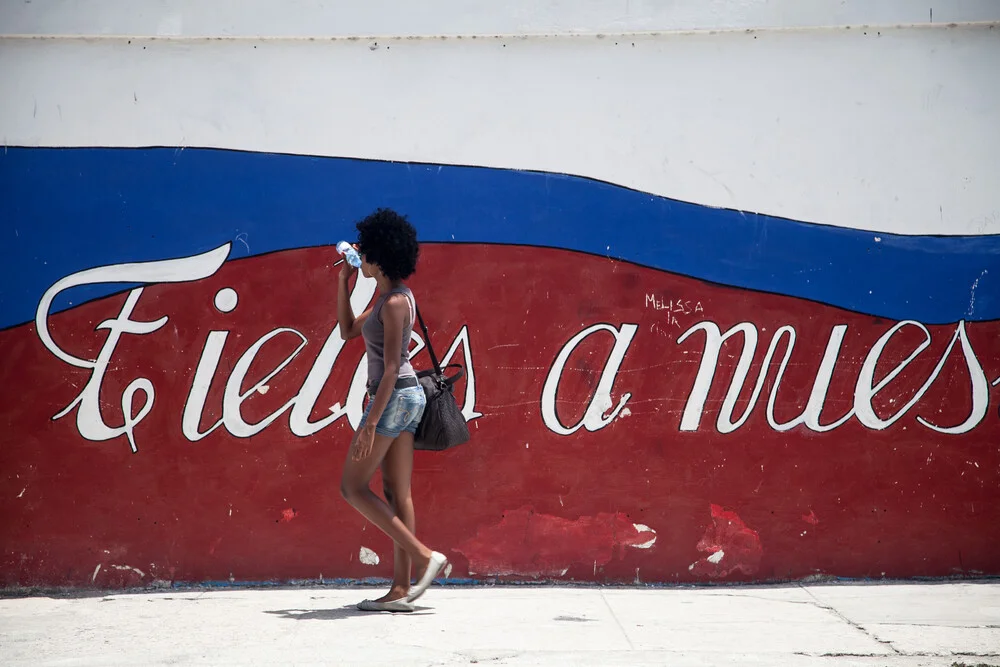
(367,270)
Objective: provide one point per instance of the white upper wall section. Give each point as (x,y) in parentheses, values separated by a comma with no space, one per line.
(343,18)
(884,129)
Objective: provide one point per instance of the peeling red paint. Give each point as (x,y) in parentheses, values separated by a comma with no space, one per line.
(739,546)
(543,545)
(810,518)
(288,514)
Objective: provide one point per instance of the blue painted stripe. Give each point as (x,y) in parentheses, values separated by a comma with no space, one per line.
(64,210)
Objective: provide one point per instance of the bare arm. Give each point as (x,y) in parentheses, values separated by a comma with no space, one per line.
(350,326)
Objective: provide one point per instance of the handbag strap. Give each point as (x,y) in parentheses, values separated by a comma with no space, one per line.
(441,377)
(427,340)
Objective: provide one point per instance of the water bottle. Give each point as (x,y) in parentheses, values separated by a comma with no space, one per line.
(350,254)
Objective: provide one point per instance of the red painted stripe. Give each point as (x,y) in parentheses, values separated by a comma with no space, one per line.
(519,500)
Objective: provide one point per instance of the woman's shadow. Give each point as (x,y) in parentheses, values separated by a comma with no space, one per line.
(347,611)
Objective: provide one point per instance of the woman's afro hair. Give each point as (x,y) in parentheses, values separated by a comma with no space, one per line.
(388,239)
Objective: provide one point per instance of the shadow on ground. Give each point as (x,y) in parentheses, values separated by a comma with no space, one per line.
(347,611)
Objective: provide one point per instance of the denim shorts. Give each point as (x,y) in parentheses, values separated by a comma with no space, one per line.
(402,413)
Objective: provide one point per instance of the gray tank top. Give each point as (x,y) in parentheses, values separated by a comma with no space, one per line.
(373,332)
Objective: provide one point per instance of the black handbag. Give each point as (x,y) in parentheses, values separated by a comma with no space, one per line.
(442,425)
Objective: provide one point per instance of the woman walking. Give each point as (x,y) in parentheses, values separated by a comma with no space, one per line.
(387,244)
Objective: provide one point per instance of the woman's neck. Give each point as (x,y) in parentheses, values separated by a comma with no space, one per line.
(385,285)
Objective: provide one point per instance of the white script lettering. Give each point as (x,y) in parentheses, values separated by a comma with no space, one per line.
(601,402)
(89,421)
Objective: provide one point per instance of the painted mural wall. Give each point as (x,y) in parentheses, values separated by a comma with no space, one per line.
(727,300)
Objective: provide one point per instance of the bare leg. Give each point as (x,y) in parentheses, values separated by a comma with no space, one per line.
(354,486)
(397,470)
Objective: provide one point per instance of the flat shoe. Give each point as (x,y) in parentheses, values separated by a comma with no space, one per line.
(438,561)
(392,605)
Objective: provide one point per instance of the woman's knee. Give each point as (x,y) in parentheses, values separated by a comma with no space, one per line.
(387,491)
(349,490)
(395,493)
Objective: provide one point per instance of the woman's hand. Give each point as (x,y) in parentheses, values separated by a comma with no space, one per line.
(350,326)
(347,270)
(364,443)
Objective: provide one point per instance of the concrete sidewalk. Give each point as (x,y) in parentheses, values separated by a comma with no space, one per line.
(871,624)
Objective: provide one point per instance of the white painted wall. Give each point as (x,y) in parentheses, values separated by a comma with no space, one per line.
(889,129)
(399,18)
